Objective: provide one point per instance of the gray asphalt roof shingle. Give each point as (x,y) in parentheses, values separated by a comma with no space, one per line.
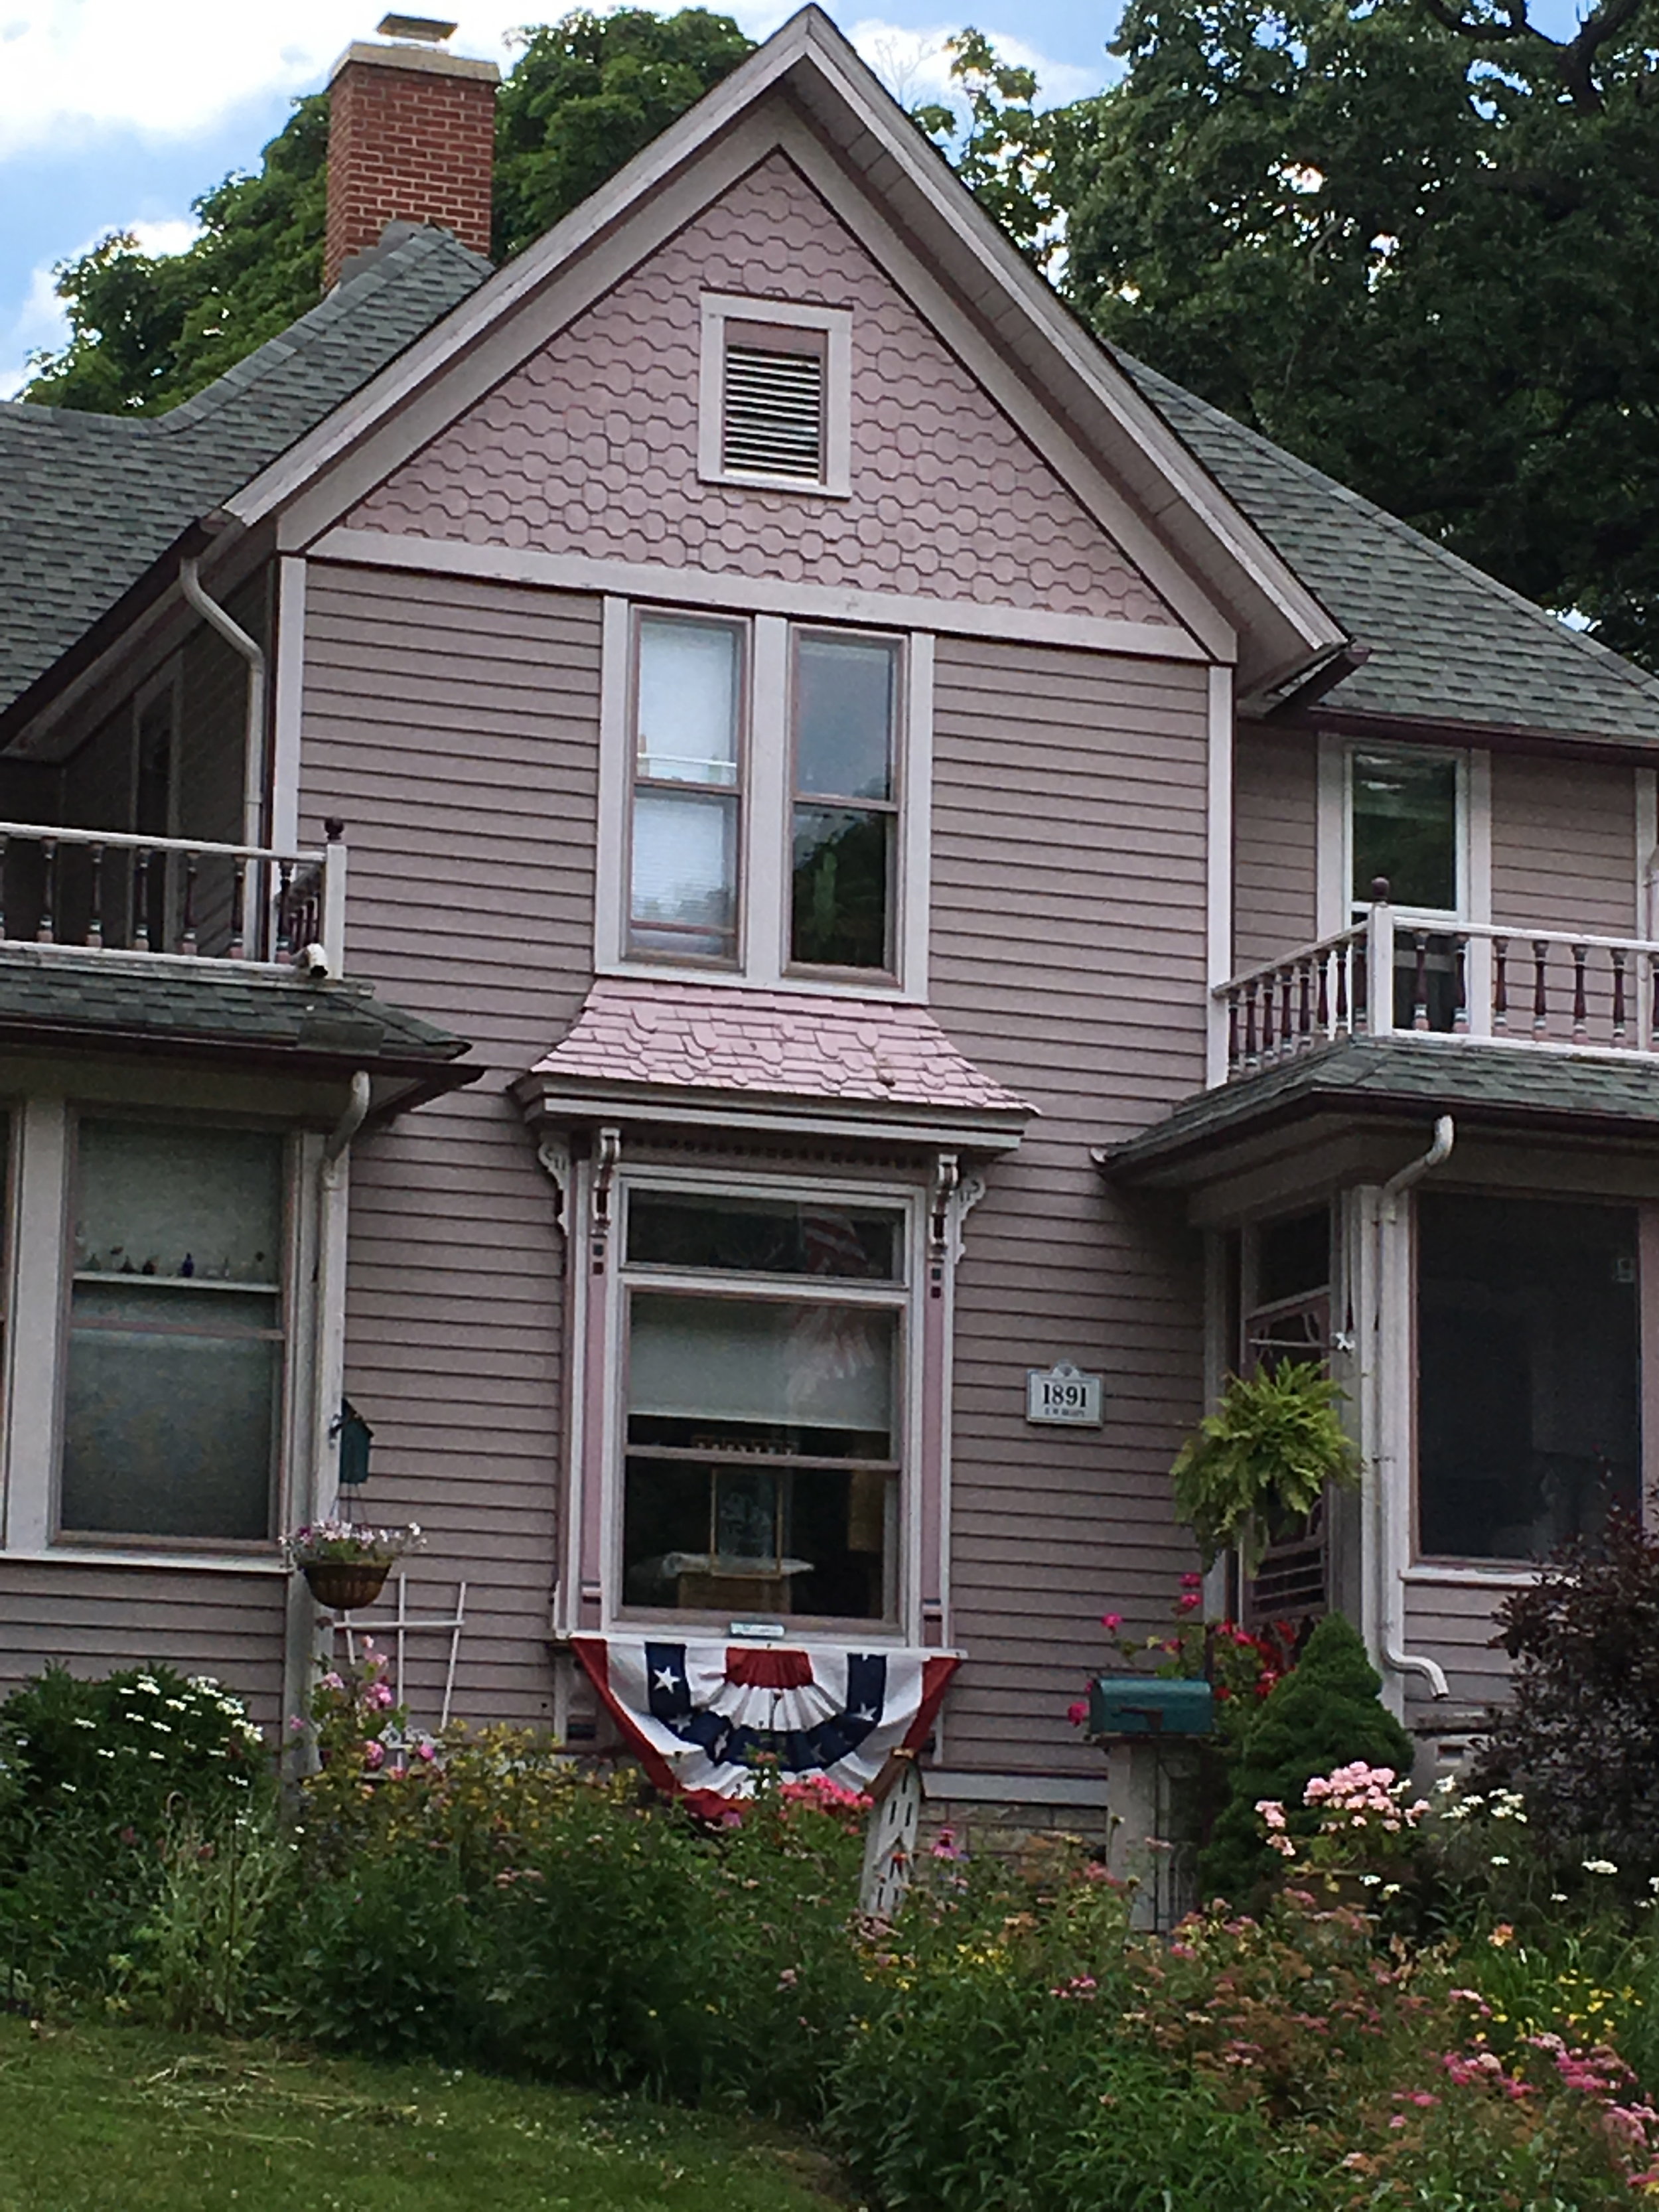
(88,501)
(1503,1084)
(1449,643)
(201,1004)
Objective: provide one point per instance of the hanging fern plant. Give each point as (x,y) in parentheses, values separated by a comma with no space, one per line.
(1265,1454)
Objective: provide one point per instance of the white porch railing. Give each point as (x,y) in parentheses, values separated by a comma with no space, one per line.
(111,891)
(1491,983)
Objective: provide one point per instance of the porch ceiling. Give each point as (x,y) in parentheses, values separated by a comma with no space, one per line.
(1527,1089)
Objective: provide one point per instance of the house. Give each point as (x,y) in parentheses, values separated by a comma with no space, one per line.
(898,864)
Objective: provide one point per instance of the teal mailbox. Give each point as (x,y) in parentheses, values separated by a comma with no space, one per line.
(1143,1705)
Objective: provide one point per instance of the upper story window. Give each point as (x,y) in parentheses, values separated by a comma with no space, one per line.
(763,1450)
(1406,823)
(174,1374)
(688,691)
(772,826)
(775,395)
(845,820)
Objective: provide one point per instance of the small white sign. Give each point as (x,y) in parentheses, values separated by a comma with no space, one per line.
(1062,1395)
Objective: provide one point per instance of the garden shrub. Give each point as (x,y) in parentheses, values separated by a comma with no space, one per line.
(1579,1738)
(97,1774)
(1326,1715)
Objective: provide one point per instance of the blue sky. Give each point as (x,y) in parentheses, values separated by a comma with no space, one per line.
(113,116)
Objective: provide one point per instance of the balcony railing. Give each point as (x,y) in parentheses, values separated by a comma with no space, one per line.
(1490,982)
(109,890)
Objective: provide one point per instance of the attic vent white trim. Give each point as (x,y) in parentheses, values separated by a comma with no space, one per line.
(774,413)
(774,395)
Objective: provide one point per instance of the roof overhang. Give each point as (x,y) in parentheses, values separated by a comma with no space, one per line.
(550,1102)
(1497,737)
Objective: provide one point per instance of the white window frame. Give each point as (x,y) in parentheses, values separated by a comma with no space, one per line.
(767,798)
(39,1262)
(721,308)
(743,706)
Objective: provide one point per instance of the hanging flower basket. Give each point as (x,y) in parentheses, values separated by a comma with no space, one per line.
(344,1586)
(345,1563)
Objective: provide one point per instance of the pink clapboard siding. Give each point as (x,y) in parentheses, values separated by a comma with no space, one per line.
(1067,953)
(591,447)
(1564,844)
(1454,1623)
(96,1618)
(1275,844)
(455,728)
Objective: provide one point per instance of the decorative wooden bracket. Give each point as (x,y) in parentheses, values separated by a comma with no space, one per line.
(554,1153)
(607,1156)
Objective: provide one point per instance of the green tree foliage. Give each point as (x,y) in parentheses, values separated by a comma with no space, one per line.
(1003,147)
(1418,247)
(1324,1715)
(583,97)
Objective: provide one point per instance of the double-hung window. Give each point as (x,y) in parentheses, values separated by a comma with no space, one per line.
(763,1443)
(687,807)
(173,1381)
(770,802)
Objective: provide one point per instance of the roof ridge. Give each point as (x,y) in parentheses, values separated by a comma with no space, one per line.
(1612,663)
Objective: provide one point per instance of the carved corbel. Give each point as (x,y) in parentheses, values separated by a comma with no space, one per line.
(607,1156)
(554,1153)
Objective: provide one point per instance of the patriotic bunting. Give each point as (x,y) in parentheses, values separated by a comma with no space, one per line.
(702,1715)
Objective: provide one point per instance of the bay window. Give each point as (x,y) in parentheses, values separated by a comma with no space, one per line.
(173,1372)
(763,1433)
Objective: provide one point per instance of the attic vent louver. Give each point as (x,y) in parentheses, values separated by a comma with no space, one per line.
(774,417)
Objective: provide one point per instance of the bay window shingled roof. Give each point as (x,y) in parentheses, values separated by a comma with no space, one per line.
(87,502)
(776,1044)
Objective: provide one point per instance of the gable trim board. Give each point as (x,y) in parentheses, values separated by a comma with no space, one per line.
(1031,346)
(738,593)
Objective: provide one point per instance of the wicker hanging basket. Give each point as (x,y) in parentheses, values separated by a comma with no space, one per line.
(343,1585)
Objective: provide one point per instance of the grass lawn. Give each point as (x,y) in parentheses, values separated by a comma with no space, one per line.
(116,2120)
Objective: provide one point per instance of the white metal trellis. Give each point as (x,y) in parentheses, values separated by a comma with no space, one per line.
(401,1627)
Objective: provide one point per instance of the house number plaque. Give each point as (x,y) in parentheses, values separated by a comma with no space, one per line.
(1063,1396)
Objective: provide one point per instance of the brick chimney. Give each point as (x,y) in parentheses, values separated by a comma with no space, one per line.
(412,137)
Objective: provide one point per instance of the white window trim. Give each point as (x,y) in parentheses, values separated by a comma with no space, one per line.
(40,1212)
(720,308)
(1336,830)
(906,1197)
(766,798)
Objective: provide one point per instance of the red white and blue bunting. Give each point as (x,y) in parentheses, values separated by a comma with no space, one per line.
(702,1715)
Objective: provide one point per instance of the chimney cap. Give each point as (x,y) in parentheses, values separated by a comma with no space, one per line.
(427,30)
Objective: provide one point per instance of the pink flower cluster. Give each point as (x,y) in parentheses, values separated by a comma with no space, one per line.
(1360,1791)
(823,1793)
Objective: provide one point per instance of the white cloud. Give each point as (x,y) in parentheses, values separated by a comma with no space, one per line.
(40,326)
(914,65)
(73,67)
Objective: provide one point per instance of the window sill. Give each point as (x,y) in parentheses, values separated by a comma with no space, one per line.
(845,984)
(99,1555)
(692,1628)
(1495,1576)
(736,480)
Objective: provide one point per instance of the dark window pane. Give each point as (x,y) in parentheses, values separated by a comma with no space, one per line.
(763,1541)
(844,718)
(1405,828)
(762,1235)
(1292,1256)
(1529,1398)
(202,1203)
(842,870)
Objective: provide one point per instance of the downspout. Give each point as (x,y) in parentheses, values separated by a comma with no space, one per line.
(254,749)
(1391,1525)
(304,1642)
